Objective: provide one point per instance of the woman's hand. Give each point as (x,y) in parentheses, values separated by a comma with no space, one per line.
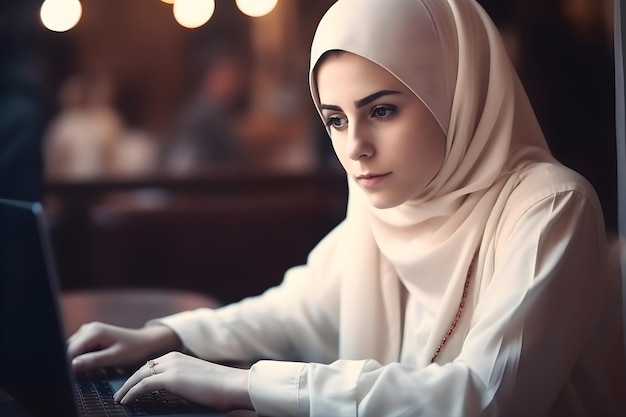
(97,345)
(220,387)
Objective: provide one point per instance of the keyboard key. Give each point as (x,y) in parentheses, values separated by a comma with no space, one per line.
(95,398)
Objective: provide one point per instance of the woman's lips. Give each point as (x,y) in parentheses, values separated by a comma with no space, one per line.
(371,180)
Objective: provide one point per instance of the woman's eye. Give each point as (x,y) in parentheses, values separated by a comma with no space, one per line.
(336,122)
(383,112)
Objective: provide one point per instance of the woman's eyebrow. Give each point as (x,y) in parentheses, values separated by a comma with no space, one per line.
(368,99)
(361,102)
(330,107)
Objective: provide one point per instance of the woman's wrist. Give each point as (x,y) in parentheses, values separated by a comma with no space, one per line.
(162,339)
(239,390)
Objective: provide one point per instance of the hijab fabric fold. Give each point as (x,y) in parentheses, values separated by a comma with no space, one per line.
(450,55)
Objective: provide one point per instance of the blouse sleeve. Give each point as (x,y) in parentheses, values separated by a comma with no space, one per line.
(529,326)
(295,320)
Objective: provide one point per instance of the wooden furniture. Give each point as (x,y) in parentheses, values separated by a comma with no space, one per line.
(128,307)
(230,235)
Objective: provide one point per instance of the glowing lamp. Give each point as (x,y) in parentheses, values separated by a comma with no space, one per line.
(256,8)
(193,13)
(60,15)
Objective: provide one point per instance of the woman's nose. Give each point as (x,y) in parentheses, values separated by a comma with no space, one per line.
(358,144)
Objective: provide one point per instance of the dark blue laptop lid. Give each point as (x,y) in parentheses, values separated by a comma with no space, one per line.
(33,363)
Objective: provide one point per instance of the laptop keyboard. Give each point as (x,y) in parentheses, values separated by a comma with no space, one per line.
(94,397)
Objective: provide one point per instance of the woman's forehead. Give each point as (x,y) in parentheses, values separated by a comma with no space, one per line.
(347,75)
(415,40)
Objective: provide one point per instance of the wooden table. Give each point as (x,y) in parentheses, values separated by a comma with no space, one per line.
(127,307)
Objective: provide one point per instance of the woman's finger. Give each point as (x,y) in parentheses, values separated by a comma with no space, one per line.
(96,359)
(86,339)
(146,385)
(147,371)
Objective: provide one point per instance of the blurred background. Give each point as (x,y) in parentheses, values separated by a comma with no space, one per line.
(176,147)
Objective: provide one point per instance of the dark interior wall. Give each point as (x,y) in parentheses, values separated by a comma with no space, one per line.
(563,51)
(22,101)
(620,36)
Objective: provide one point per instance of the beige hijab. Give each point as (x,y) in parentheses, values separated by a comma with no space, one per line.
(449,53)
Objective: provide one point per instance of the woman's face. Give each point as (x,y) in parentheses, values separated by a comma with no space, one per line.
(384,136)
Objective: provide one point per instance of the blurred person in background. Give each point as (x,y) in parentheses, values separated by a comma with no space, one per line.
(204,134)
(80,141)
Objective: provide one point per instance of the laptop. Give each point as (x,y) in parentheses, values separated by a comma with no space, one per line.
(35,374)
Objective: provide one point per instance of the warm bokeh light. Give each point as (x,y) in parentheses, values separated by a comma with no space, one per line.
(193,13)
(168,1)
(60,15)
(256,8)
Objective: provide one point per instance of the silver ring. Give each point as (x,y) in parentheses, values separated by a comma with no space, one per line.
(151,364)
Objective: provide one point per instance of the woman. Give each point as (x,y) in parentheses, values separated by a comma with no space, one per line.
(470,276)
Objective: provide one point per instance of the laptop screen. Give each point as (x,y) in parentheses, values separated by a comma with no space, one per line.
(33,364)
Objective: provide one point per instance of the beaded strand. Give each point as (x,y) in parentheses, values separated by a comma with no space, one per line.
(458,313)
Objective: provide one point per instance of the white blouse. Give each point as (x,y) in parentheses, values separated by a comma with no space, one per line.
(542,331)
